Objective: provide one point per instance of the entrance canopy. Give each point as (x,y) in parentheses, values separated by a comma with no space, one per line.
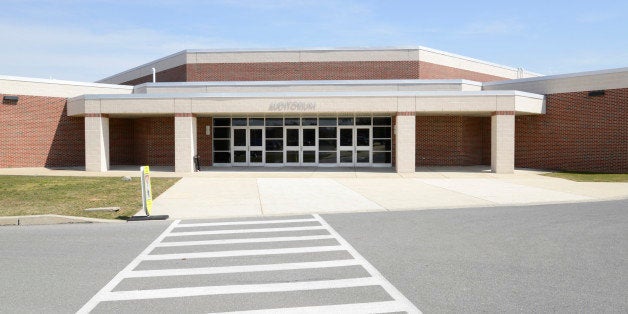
(397,101)
(475,103)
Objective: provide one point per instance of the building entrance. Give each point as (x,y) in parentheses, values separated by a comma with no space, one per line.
(303,141)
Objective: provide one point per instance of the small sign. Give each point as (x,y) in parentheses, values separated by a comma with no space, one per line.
(292,106)
(147,194)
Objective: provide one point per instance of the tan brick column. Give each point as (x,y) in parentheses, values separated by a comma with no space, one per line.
(503,142)
(96,142)
(184,142)
(405,144)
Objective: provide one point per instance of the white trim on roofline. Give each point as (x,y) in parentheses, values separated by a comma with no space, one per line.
(62,82)
(310,82)
(555,77)
(253,50)
(313,94)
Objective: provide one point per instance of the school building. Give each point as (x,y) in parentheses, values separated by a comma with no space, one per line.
(382,107)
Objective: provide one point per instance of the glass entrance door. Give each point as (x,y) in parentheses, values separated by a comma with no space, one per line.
(248,149)
(361,141)
(300,144)
(354,148)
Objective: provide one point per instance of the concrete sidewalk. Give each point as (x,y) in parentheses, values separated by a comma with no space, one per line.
(268,192)
(259,191)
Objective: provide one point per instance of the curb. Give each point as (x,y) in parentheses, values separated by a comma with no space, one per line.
(50,220)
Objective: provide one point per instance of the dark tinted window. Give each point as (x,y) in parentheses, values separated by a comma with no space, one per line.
(222,157)
(222,122)
(381,120)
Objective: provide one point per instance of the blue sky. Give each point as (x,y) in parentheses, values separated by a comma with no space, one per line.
(89,40)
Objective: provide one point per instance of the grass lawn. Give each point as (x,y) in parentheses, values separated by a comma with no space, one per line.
(590,177)
(36,195)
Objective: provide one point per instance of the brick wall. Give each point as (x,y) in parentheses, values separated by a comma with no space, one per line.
(577,133)
(287,71)
(452,141)
(436,71)
(203,141)
(121,139)
(142,141)
(36,132)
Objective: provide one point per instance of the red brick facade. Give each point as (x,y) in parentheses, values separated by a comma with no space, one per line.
(141,141)
(577,133)
(453,141)
(290,71)
(436,71)
(176,74)
(204,141)
(36,131)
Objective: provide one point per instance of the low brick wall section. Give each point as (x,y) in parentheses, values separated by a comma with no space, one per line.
(453,141)
(141,141)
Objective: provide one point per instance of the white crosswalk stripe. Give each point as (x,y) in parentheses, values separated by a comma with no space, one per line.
(241,244)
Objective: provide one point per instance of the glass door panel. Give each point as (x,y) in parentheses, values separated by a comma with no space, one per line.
(363,146)
(256,148)
(240,147)
(308,146)
(327,143)
(346,136)
(293,150)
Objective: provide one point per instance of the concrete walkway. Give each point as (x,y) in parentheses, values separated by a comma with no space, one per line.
(239,192)
(268,192)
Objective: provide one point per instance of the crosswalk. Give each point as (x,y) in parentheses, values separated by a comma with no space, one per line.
(298,265)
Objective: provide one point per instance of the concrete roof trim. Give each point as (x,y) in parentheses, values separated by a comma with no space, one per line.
(326,49)
(449,54)
(311,82)
(63,82)
(557,76)
(316,94)
(190,52)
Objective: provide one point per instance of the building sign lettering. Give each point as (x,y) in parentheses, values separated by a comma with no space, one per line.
(292,106)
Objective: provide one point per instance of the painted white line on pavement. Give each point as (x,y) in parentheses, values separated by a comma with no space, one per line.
(355,308)
(161,257)
(236,231)
(238,289)
(235,223)
(370,268)
(247,240)
(99,296)
(239,269)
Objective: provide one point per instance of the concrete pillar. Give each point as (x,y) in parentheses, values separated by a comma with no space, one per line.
(96,142)
(503,142)
(405,144)
(184,142)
